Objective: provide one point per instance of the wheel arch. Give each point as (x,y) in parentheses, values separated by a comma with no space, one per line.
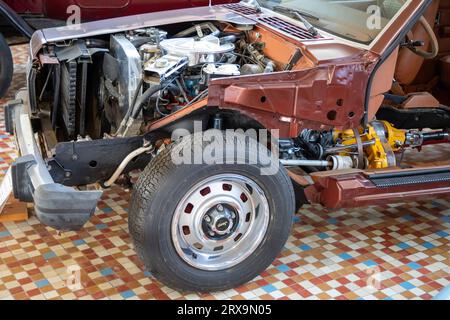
(232,118)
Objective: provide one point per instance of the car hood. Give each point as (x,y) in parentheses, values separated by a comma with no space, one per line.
(115,25)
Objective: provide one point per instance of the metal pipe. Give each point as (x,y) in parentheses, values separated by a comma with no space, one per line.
(196,28)
(436,136)
(130,108)
(306,163)
(136,109)
(52,68)
(125,163)
(349,147)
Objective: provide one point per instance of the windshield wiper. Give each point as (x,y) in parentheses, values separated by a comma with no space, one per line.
(300,16)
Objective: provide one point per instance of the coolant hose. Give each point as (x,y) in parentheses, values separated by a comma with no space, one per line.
(137,107)
(228,39)
(131,108)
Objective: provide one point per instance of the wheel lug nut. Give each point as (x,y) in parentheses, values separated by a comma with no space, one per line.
(212,234)
(207,218)
(233,215)
(219,207)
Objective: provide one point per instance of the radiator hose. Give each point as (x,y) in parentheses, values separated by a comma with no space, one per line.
(136,107)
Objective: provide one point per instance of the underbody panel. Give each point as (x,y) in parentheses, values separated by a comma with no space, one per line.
(357,188)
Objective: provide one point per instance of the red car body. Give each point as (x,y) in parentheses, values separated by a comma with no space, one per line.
(102,9)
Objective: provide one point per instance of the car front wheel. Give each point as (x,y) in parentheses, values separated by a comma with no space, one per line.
(209,227)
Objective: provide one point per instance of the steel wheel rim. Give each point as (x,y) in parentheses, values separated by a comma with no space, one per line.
(238,196)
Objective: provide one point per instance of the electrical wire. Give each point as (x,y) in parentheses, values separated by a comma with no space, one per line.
(159,98)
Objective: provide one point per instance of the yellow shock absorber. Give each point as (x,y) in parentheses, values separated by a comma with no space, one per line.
(378,152)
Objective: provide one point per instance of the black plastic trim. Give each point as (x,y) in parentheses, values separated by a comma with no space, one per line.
(17,21)
(8,109)
(57,206)
(64,208)
(22,185)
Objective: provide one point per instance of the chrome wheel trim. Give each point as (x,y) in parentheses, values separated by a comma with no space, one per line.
(192,240)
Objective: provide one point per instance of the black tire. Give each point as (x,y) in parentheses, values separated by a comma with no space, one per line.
(161,187)
(6,66)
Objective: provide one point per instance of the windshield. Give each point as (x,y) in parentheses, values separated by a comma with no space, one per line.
(356,20)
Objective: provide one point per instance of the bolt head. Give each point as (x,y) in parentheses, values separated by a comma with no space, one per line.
(207,218)
(212,234)
(219,207)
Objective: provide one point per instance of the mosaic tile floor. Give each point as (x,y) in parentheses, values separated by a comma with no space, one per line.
(388,252)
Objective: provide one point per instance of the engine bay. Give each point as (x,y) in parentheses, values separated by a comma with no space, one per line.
(112,86)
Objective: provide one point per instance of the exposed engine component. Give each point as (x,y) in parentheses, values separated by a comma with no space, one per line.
(258,62)
(186,52)
(416,139)
(199,30)
(212,71)
(146,36)
(68,96)
(374,147)
(255,51)
(177,71)
(205,50)
(130,70)
(342,162)
(162,69)
(248,69)
(310,144)
(149,51)
(142,75)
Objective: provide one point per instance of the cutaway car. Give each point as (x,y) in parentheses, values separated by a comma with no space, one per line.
(346,87)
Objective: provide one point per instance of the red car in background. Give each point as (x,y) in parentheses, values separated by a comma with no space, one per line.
(20,18)
(101,9)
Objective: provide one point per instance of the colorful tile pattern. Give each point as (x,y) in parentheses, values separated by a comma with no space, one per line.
(388,252)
